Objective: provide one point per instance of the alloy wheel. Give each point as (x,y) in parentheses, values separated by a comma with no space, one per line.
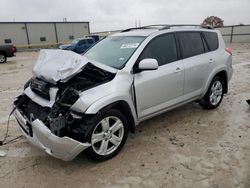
(2,58)
(216,93)
(107,135)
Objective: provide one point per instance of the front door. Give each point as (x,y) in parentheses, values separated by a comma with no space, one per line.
(158,89)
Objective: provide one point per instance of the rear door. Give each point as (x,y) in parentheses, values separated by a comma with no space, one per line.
(158,89)
(212,43)
(196,62)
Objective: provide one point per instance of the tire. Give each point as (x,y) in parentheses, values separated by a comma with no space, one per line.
(105,143)
(2,58)
(214,95)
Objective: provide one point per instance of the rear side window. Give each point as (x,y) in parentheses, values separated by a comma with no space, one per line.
(82,42)
(212,40)
(90,41)
(191,44)
(162,48)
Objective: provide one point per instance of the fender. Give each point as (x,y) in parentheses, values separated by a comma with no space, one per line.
(211,76)
(109,99)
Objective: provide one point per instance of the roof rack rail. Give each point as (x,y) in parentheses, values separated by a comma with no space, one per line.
(145,27)
(166,26)
(187,25)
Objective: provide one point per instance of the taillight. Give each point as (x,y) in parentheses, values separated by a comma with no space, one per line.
(13,49)
(229,50)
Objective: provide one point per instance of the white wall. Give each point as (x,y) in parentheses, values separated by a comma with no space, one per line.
(37,30)
(16,31)
(74,29)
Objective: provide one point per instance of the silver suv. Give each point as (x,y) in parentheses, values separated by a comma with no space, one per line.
(90,102)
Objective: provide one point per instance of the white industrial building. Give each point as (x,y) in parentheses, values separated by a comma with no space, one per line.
(24,34)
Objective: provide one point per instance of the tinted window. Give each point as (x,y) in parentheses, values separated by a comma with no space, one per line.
(191,44)
(90,41)
(205,45)
(71,37)
(82,42)
(162,48)
(7,41)
(211,39)
(42,39)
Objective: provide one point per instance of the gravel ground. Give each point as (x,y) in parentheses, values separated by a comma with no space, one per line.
(186,147)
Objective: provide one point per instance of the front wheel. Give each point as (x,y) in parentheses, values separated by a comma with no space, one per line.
(107,135)
(2,58)
(214,95)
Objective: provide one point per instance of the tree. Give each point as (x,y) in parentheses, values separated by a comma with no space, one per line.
(213,21)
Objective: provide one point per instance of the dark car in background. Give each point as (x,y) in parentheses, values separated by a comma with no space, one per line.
(6,51)
(80,45)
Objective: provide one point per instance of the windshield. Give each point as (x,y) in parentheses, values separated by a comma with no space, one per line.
(75,41)
(114,51)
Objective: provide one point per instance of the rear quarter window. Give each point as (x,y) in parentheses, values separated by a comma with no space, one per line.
(191,44)
(212,40)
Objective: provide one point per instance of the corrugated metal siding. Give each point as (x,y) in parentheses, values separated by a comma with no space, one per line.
(75,30)
(30,33)
(36,31)
(15,32)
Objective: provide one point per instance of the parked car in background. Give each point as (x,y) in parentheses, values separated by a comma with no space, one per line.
(80,45)
(6,51)
(91,102)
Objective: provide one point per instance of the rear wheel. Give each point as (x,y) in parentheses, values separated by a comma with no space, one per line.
(108,134)
(2,58)
(214,95)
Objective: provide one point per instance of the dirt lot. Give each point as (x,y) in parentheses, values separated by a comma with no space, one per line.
(186,147)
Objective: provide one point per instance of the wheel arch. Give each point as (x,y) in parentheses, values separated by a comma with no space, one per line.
(222,73)
(124,106)
(3,52)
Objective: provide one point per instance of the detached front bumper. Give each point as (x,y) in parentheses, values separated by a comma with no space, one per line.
(38,134)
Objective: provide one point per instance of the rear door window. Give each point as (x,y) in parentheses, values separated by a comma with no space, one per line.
(90,41)
(162,48)
(212,40)
(82,42)
(191,44)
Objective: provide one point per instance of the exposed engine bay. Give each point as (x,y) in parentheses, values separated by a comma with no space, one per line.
(59,118)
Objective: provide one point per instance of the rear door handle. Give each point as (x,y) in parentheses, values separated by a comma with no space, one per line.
(211,61)
(178,69)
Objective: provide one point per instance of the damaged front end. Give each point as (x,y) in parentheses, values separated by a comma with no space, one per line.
(45,116)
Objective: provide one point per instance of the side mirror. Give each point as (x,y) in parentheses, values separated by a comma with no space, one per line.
(147,64)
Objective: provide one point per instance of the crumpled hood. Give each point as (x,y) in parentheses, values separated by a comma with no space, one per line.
(56,65)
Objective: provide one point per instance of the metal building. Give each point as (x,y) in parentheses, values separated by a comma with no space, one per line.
(23,34)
